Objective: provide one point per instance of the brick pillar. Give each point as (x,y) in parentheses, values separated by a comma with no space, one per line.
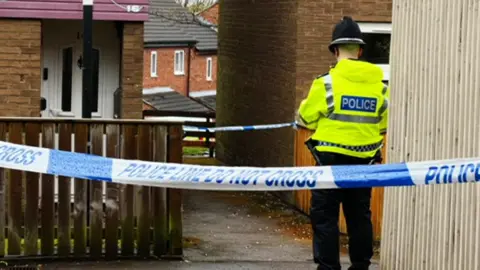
(256,83)
(20,67)
(132,70)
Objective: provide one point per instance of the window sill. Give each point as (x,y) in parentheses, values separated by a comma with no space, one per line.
(179,73)
(209,79)
(153,75)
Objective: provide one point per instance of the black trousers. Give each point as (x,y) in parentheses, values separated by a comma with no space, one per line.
(324,214)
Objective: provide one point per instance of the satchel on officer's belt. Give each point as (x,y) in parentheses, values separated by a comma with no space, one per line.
(310,143)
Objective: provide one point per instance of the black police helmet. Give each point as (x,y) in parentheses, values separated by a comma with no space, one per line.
(346,32)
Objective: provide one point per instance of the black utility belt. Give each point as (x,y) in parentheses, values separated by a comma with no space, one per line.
(355,148)
(312,144)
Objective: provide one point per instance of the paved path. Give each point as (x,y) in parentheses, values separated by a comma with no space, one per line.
(225,230)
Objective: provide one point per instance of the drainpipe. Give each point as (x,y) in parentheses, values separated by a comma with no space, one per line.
(188,69)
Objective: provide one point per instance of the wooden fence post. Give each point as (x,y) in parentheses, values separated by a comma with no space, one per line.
(32,130)
(48,203)
(3,132)
(143,221)
(160,204)
(175,195)
(113,200)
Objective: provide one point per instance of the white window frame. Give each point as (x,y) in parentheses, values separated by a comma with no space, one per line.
(153,64)
(179,67)
(378,28)
(209,67)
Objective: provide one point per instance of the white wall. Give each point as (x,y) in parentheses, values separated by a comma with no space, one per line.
(434,114)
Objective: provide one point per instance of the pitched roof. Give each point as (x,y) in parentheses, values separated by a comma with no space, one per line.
(166,99)
(170,22)
(208,101)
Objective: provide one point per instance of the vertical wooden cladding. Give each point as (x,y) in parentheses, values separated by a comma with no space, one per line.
(434,117)
(61,223)
(303,157)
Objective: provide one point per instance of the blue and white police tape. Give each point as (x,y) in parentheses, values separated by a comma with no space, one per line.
(69,164)
(239,128)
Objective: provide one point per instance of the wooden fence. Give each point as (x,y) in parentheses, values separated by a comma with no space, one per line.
(115,221)
(303,157)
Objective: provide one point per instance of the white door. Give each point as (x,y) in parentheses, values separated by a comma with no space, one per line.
(62,68)
(65,100)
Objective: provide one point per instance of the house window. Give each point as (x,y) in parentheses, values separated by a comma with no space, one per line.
(179,63)
(377,50)
(209,69)
(153,64)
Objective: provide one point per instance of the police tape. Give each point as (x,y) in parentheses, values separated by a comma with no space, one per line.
(239,128)
(158,174)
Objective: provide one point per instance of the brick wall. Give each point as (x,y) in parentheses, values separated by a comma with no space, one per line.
(268,57)
(211,14)
(313,36)
(132,70)
(165,68)
(20,53)
(256,83)
(198,72)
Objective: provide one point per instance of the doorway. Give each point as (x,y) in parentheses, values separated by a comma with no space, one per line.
(63,65)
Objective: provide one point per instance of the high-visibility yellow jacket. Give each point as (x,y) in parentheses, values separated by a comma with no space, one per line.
(348,108)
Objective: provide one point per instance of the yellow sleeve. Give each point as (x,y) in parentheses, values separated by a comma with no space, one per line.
(314,106)
(384,122)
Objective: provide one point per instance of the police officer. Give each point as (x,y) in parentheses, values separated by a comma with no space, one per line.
(347,107)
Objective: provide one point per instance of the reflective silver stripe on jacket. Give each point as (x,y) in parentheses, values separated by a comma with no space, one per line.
(385,101)
(327,80)
(358,148)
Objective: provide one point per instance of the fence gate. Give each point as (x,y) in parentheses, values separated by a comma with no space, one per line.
(46,215)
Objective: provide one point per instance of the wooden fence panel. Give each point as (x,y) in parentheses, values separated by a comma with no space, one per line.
(47,205)
(143,231)
(129,150)
(63,231)
(112,203)
(32,138)
(96,200)
(3,214)
(175,195)
(303,157)
(15,186)
(159,205)
(158,211)
(80,196)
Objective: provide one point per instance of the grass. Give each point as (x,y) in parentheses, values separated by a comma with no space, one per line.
(194,151)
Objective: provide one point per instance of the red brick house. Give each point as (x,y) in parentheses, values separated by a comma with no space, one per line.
(179,56)
(41,55)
